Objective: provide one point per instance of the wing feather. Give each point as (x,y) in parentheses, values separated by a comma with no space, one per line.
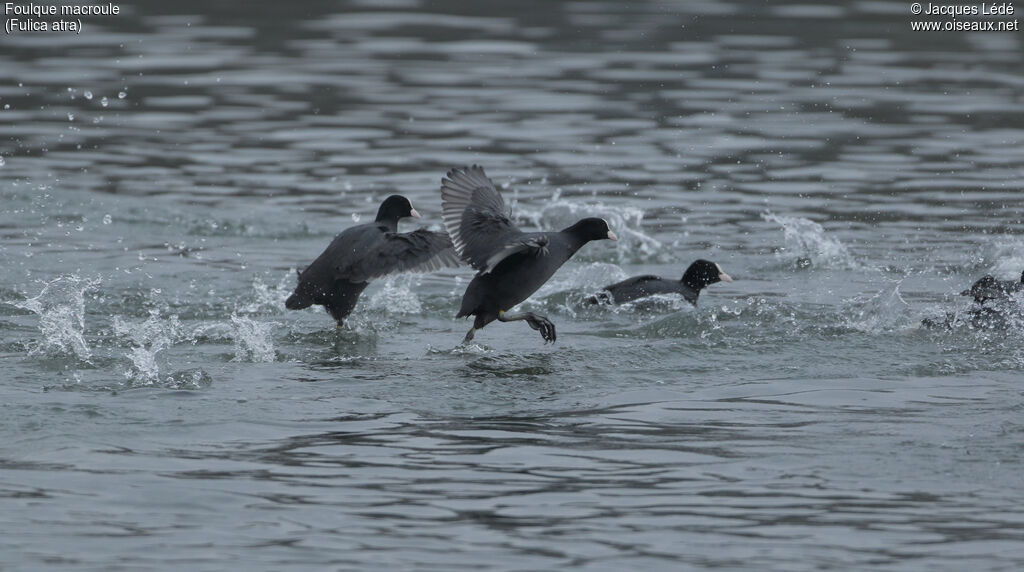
(477,219)
(417,251)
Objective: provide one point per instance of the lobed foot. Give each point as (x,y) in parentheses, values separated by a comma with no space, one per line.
(546,326)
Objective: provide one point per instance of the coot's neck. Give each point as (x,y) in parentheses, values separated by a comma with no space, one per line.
(692,281)
(574,237)
(389,221)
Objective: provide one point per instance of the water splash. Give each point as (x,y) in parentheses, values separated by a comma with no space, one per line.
(807,244)
(658,303)
(253,340)
(885,311)
(471,349)
(590,277)
(148,339)
(1007,256)
(196,378)
(396,296)
(633,245)
(268,298)
(61,310)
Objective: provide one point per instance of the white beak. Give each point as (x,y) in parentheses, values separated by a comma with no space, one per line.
(414,214)
(722,275)
(611,235)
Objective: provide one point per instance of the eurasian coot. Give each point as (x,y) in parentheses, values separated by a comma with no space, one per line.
(367,251)
(512,264)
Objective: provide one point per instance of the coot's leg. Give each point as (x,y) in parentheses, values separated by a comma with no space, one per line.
(541,323)
(342,300)
(469,336)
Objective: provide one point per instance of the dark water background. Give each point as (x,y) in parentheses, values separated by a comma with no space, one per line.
(166,171)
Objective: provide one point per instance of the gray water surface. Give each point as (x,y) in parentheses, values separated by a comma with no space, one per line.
(166,171)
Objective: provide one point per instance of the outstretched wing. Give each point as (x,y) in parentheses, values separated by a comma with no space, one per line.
(417,251)
(476,218)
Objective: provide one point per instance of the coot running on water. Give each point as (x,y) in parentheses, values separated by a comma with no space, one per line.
(367,251)
(995,306)
(512,264)
(988,288)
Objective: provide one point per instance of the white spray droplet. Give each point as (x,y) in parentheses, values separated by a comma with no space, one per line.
(88,94)
(107,219)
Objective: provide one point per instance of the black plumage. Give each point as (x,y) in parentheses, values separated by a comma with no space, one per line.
(698,275)
(995,306)
(988,288)
(512,264)
(367,251)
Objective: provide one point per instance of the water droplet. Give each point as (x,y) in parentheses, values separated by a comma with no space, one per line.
(2,162)
(88,94)
(104,102)
(121,95)
(71,116)
(107,219)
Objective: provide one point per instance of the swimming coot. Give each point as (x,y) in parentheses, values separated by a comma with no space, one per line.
(699,275)
(511,264)
(367,251)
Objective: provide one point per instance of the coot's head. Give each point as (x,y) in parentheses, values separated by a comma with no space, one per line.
(704,272)
(394,208)
(591,229)
(986,288)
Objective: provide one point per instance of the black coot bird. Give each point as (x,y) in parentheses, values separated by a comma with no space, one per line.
(367,251)
(994,307)
(699,275)
(512,264)
(988,288)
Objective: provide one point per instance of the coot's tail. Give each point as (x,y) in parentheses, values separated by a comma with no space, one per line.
(298,300)
(301,297)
